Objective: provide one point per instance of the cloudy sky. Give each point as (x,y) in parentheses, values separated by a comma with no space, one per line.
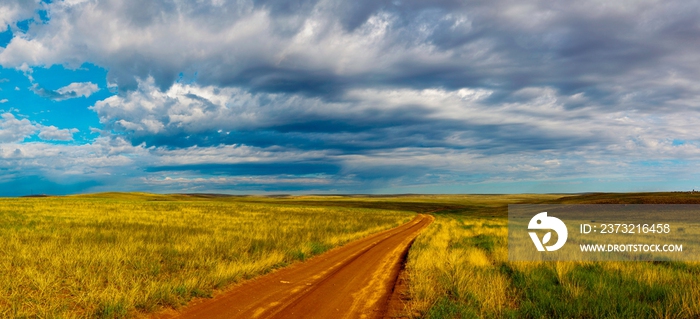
(329,96)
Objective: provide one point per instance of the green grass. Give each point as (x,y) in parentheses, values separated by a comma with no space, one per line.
(458,268)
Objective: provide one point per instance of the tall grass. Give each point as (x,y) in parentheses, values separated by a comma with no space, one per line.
(87,257)
(458,268)
(118,255)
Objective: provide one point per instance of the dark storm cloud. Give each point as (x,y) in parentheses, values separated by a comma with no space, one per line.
(276,80)
(322,135)
(358,123)
(500,45)
(343,138)
(573,48)
(616,57)
(285,8)
(248,169)
(384,91)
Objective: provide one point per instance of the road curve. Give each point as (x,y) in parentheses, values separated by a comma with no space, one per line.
(352,281)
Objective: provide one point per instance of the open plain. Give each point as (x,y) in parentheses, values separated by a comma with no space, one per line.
(121,255)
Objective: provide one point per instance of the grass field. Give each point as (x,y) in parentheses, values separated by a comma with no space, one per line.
(118,255)
(458,268)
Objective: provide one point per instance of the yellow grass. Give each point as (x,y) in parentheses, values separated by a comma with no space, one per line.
(449,260)
(114,256)
(458,268)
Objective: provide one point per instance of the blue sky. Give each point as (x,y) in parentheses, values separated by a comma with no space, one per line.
(328,96)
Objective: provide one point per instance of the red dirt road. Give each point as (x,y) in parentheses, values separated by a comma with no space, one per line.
(352,281)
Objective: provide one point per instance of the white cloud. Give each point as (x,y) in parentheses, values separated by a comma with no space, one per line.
(12,11)
(530,139)
(15,130)
(79,89)
(232,154)
(73,90)
(189,109)
(195,109)
(222,43)
(62,163)
(53,133)
(4,101)
(538,89)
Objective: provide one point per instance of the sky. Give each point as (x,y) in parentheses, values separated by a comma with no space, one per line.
(366,96)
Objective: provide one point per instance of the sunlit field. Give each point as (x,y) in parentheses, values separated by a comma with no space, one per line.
(125,255)
(121,255)
(458,268)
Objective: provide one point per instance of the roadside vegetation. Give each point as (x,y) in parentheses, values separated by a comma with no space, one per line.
(118,255)
(458,268)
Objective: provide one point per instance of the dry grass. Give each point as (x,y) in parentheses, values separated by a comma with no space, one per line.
(118,255)
(458,268)
(456,262)
(115,255)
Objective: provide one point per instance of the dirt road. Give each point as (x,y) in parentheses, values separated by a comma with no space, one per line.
(352,281)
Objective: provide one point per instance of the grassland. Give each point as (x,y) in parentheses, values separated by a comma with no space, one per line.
(458,268)
(118,255)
